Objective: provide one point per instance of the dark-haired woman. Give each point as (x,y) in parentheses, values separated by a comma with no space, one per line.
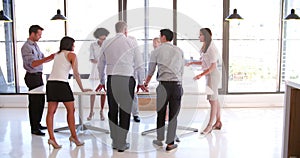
(58,89)
(100,34)
(208,61)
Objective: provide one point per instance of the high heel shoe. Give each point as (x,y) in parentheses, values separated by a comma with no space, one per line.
(217,125)
(77,142)
(102,118)
(207,130)
(90,116)
(54,144)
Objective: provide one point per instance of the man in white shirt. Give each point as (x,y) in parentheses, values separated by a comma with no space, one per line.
(121,58)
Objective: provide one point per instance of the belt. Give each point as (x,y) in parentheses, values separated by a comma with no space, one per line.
(171,82)
(34,73)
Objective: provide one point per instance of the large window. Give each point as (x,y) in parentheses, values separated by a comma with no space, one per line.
(290,44)
(39,14)
(7,71)
(190,20)
(256,64)
(253,47)
(159,16)
(83,19)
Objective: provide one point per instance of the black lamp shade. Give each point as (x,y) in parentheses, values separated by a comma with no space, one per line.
(235,15)
(4,18)
(292,16)
(58,16)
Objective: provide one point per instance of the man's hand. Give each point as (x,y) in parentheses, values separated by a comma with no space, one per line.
(50,57)
(147,81)
(99,88)
(142,87)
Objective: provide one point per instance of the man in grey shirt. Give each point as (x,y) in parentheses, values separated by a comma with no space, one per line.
(121,58)
(169,60)
(33,60)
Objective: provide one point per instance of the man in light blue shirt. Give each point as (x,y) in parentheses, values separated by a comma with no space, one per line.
(33,60)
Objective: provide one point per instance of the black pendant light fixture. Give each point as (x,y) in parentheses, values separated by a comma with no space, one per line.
(235,15)
(58,16)
(292,16)
(4,18)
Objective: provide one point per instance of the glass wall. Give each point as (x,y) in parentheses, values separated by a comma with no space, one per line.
(290,44)
(159,15)
(254,47)
(39,14)
(82,21)
(257,64)
(7,65)
(191,17)
(84,17)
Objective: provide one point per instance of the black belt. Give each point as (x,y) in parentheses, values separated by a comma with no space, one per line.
(171,82)
(34,73)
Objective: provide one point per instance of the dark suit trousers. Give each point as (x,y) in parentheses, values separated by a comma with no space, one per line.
(36,101)
(120,93)
(168,93)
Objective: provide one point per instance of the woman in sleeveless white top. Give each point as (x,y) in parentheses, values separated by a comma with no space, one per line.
(208,61)
(58,89)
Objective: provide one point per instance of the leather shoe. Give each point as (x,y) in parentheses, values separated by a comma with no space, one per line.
(171,147)
(42,127)
(38,132)
(127,145)
(136,119)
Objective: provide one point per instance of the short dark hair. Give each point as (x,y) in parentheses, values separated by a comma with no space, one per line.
(34,29)
(168,33)
(100,32)
(66,43)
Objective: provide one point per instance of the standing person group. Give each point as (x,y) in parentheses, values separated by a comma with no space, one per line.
(119,60)
(208,61)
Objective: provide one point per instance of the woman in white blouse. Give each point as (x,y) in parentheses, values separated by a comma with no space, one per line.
(208,61)
(100,34)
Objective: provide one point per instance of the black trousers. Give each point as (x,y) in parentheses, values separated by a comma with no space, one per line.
(36,101)
(168,93)
(120,93)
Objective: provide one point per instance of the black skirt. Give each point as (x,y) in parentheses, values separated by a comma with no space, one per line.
(59,91)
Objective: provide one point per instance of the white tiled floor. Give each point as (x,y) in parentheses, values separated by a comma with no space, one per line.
(246,133)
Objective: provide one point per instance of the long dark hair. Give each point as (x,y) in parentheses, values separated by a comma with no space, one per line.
(66,43)
(207,37)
